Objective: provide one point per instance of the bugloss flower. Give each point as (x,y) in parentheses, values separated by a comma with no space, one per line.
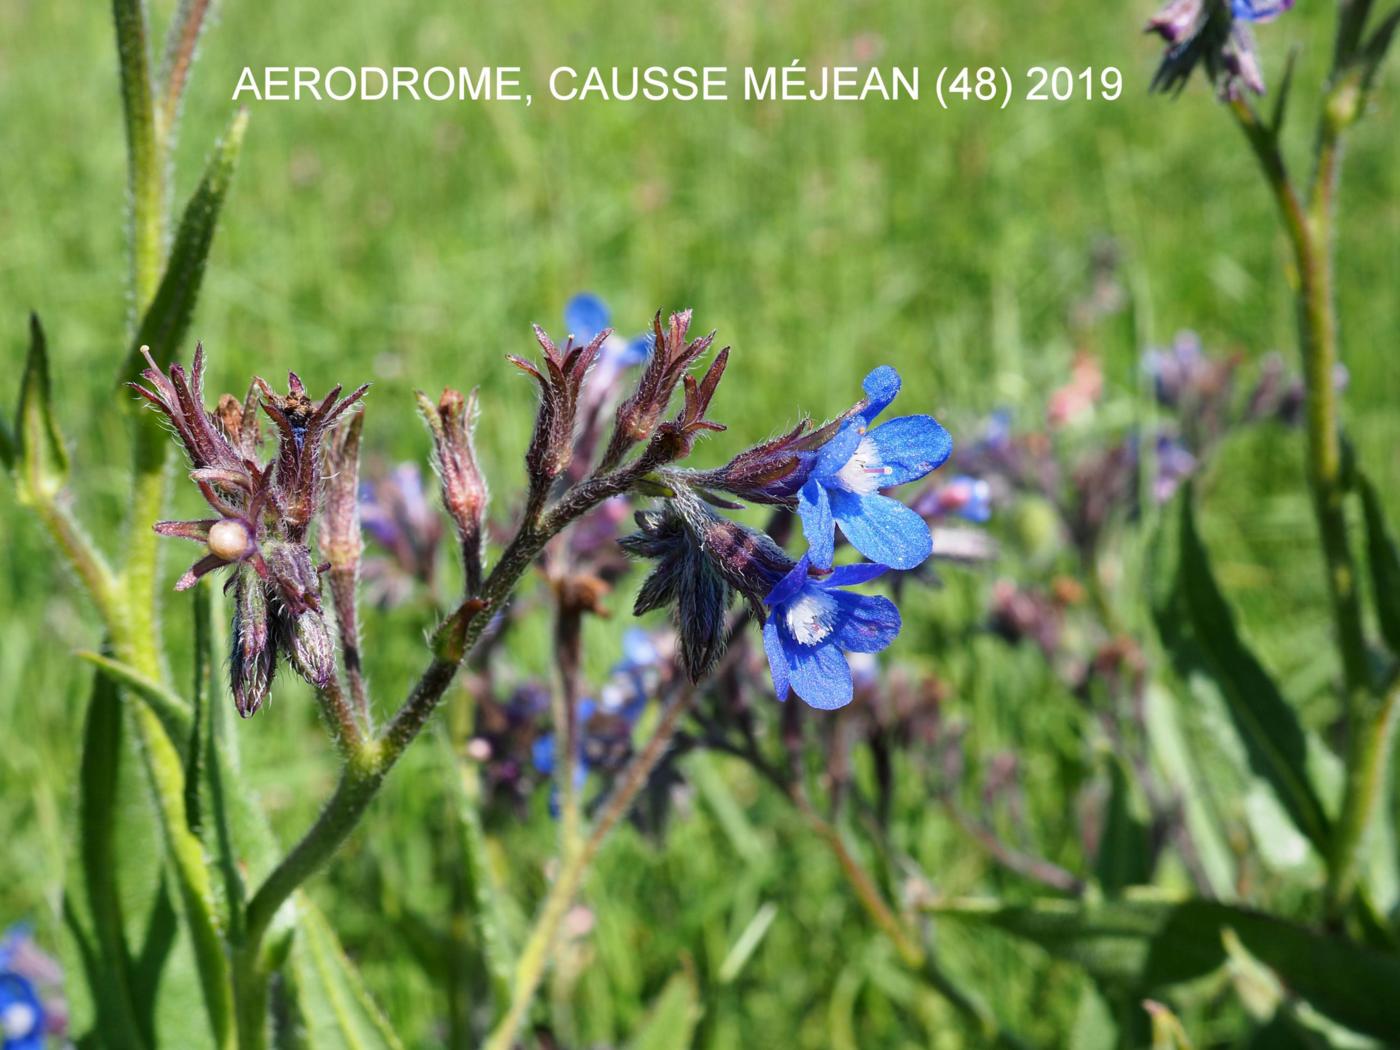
(1216,33)
(31,1002)
(1174,464)
(396,515)
(812,623)
(966,497)
(265,516)
(586,315)
(844,487)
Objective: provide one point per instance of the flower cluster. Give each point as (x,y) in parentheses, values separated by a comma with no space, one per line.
(264,516)
(1214,34)
(836,477)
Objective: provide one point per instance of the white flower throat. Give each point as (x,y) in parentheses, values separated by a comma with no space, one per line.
(864,473)
(811,616)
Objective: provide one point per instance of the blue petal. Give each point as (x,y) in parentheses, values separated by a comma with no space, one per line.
(786,589)
(837,452)
(777,659)
(638,650)
(585,316)
(850,575)
(883,529)
(542,753)
(868,624)
(910,447)
(814,507)
(820,675)
(880,386)
(638,351)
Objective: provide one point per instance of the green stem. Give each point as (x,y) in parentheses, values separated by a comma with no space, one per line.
(1367,768)
(534,957)
(82,556)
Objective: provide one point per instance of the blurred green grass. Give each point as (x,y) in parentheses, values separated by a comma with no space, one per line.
(412,244)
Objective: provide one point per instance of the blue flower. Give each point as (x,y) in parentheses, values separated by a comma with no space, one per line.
(24,1018)
(851,469)
(585,315)
(812,624)
(963,495)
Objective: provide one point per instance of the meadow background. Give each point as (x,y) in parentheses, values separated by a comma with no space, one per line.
(412,244)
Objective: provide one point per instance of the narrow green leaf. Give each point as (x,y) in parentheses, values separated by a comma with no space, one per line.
(166,321)
(1141,945)
(145,161)
(1384,558)
(172,710)
(1377,47)
(739,955)
(97,801)
(8,448)
(1198,630)
(1180,768)
(1124,852)
(190,868)
(199,721)
(149,965)
(670,1023)
(40,458)
(335,1004)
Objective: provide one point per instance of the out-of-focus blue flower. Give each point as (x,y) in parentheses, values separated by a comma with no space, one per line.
(1214,33)
(844,485)
(396,514)
(812,624)
(606,724)
(21,1014)
(964,496)
(1177,371)
(30,983)
(585,315)
(1175,464)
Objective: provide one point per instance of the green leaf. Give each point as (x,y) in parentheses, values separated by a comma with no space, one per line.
(1180,769)
(173,711)
(166,321)
(145,163)
(335,1004)
(98,798)
(40,460)
(149,966)
(1384,559)
(1198,631)
(1141,945)
(1124,857)
(670,1024)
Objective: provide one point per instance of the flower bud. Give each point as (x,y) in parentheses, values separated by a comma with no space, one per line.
(452,421)
(310,649)
(38,453)
(253,660)
(339,534)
